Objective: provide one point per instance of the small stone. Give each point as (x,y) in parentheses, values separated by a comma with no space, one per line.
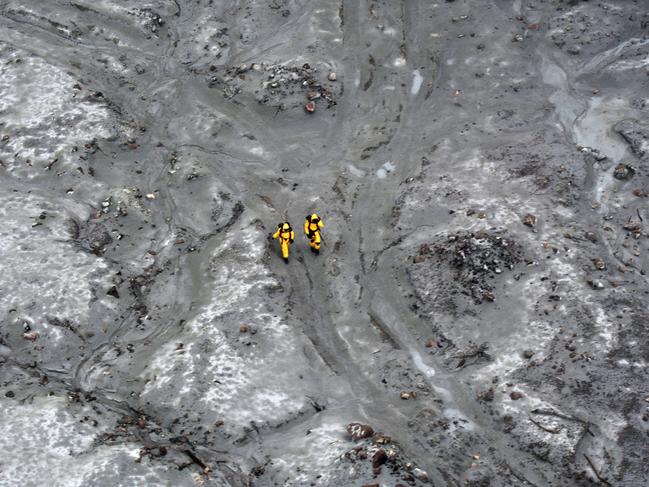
(515,395)
(528,354)
(418,259)
(430,343)
(381,439)
(31,335)
(405,395)
(9,394)
(243,328)
(488,296)
(486,396)
(379,458)
(518,38)
(599,264)
(596,284)
(574,50)
(623,172)
(113,292)
(529,220)
(332,76)
(421,475)
(359,431)
(150,196)
(310,107)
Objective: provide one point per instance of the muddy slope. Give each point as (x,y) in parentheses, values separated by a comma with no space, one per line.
(477,315)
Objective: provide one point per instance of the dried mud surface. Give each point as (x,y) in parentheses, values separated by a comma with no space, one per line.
(477,316)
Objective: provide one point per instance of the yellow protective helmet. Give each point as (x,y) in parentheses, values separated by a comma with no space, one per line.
(314,218)
(286,226)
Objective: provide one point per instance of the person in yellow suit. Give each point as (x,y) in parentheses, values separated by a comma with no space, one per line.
(286,237)
(312,228)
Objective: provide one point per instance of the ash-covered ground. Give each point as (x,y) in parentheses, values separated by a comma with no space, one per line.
(477,316)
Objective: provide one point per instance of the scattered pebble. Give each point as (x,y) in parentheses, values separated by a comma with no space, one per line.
(31,335)
(529,220)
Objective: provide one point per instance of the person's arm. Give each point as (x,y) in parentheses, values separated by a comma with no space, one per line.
(320,225)
(276,234)
(306,227)
(292,236)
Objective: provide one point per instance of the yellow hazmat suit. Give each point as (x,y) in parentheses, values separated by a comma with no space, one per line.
(286,237)
(312,227)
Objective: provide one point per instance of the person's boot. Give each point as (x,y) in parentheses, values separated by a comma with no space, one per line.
(317,251)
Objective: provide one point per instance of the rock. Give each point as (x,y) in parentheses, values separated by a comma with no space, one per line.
(596,284)
(421,475)
(150,196)
(488,296)
(634,227)
(9,394)
(430,343)
(529,220)
(418,259)
(405,395)
(599,264)
(31,335)
(371,485)
(486,396)
(528,354)
(623,172)
(379,458)
(574,50)
(310,107)
(381,439)
(243,328)
(113,292)
(359,431)
(515,395)
(332,76)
